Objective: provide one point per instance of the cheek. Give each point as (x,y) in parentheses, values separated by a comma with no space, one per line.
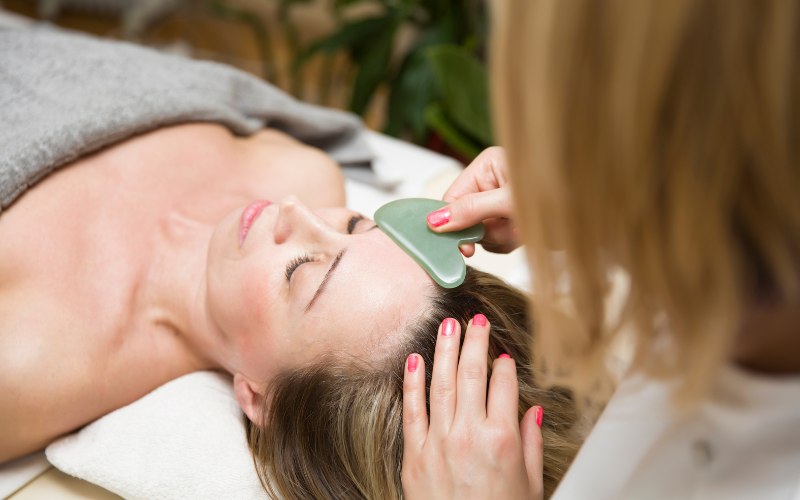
(259,297)
(243,299)
(259,321)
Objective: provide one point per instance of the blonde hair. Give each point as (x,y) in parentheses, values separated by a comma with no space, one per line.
(333,430)
(660,136)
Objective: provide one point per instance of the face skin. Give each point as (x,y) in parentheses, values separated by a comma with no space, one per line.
(271,324)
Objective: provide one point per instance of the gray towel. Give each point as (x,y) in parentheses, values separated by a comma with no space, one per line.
(64,95)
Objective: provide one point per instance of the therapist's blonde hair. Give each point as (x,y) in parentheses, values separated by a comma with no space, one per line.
(660,136)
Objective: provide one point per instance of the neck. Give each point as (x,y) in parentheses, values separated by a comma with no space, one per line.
(175,289)
(769,340)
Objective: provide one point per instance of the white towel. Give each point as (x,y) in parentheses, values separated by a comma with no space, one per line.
(185,440)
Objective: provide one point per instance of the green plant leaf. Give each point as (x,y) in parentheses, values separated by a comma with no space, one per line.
(373,61)
(415,85)
(412,90)
(437,119)
(465,95)
(350,36)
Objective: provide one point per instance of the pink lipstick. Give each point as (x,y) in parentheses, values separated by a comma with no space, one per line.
(249,215)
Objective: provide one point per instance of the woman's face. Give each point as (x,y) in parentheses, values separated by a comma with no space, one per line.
(286,285)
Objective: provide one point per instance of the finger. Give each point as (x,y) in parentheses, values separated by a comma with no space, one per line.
(486,172)
(500,237)
(531,433)
(503,404)
(471,209)
(471,390)
(498,231)
(504,249)
(415,414)
(467,250)
(443,378)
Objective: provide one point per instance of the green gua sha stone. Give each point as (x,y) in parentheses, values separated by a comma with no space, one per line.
(405,221)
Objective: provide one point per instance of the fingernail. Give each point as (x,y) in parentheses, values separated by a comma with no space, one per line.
(539,416)
(439,217)
(412,363)
(448,327)
(479,320)
(461,250)
(504,355)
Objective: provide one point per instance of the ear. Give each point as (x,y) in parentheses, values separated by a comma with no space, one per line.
(247,395)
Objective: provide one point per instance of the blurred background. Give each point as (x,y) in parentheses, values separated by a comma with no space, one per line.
(413,69)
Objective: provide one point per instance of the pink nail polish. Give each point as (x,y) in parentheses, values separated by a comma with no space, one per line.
(504,355)
(448,327)
(412,363)
(479,320)
(539,416)
(439,217)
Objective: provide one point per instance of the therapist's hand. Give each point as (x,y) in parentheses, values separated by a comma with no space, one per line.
(480,194)
(472,449)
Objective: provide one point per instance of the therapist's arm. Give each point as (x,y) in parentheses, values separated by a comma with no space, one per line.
(480,194)
(471,448)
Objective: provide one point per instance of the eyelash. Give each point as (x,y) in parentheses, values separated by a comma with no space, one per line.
(351,224)
(294,264)
(305,259)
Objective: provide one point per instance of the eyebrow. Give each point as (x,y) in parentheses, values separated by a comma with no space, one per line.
(326,279)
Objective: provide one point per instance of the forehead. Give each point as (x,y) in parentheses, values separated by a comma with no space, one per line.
(375,291)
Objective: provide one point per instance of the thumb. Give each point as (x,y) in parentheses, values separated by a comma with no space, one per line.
(531,434)
(471,209)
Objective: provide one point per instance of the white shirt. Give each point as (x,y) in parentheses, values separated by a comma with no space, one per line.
(742,443)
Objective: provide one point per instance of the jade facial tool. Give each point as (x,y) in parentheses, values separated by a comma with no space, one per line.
(405,222)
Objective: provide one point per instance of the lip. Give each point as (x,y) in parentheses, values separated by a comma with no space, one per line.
(249,215)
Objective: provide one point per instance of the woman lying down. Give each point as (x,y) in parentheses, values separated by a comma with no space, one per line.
(153,259)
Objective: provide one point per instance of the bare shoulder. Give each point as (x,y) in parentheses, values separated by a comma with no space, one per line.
(295,168)
(28,372)
(268,164)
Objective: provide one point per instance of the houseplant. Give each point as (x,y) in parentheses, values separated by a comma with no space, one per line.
(439,86)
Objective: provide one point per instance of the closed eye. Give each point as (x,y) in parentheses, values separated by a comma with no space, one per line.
(295,263)
(351,224)
(304,259)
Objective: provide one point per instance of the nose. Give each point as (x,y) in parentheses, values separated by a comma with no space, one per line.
(297,221)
